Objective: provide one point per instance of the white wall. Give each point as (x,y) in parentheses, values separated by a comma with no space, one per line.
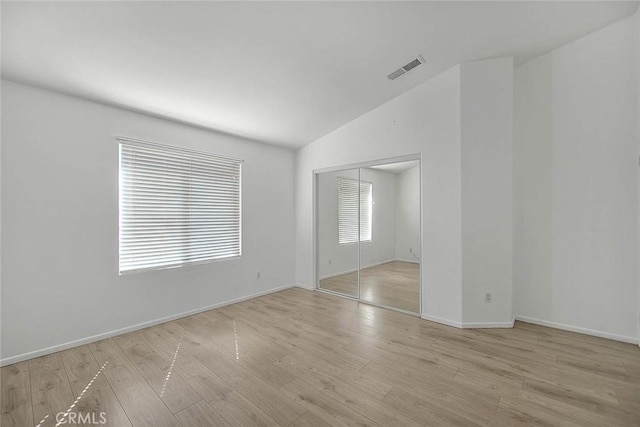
(408,215)
(425,120)
(60,279)
(533,187)
(465,187)
(487,138)
(576,185)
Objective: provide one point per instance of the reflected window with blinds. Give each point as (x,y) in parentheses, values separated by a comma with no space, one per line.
(177,207)
(355,210)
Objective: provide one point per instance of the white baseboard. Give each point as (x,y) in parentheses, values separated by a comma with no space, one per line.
(88,340)
(506,325)
(586,331)
(338,273)
(487,325)
(307,287)
(468,325)
(412,261)
(375,264)
(353,270)
(441,320)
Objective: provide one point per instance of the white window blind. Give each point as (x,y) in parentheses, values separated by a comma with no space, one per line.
(354,207)
(177,207)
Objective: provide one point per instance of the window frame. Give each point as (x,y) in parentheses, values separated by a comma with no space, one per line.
(182,156)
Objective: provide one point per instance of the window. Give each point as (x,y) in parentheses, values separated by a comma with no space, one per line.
(349,200)
(177,207)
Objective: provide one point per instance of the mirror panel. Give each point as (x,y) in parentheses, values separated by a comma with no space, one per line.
(389,261)
(337,222)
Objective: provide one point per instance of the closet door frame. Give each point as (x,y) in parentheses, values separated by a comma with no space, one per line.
(316,226)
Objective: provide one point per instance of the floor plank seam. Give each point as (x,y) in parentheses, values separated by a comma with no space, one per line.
(294,421)
(81,394)
(33,412)
(386,394)
(135,367)
(192,405)
(111,387)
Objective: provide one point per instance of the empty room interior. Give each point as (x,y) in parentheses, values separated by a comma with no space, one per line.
(310,213)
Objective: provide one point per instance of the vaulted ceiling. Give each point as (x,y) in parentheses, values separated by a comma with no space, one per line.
(280,72)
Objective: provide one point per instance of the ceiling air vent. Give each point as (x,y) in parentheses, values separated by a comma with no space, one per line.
(406,68)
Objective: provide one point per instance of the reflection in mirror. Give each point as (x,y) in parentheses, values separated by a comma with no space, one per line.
(338,222)
(389,260)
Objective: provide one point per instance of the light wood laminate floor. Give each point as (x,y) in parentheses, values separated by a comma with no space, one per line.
(303,358)
(393,284)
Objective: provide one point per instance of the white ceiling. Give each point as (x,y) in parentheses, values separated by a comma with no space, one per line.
(280,72)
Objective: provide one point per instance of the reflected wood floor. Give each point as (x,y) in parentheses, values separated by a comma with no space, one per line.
(303,358)
(393,284)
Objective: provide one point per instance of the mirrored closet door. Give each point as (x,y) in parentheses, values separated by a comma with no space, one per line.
(368,234)
(337,227)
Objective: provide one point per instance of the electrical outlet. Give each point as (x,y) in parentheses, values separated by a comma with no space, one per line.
(258,275)
(411,250)
(487,297)
(329,260)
